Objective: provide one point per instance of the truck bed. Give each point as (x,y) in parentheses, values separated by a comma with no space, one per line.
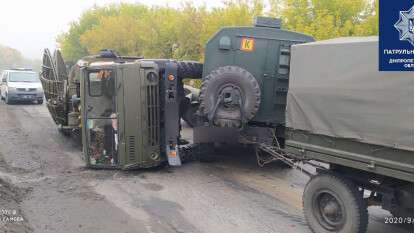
(341,93)
(351,153)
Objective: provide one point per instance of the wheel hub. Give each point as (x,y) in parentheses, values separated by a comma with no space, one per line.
(329,210)
(229,112)
(231,96)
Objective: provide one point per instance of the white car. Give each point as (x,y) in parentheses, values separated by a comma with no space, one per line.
(18,85)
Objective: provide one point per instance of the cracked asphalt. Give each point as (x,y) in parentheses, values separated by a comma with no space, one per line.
(45,187)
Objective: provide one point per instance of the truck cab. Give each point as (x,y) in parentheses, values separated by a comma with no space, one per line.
(130,114)
(125,110)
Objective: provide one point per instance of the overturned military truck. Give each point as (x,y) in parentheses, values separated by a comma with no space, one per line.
(126,110)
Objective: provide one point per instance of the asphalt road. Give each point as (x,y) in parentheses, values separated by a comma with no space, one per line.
(45,187)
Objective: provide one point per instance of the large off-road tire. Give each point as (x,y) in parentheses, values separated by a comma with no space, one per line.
(235,78)
(189,69)
(332,203)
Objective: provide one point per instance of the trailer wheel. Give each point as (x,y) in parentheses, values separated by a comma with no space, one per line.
(332,203)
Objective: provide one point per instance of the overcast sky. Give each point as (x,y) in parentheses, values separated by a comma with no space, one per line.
(31,25)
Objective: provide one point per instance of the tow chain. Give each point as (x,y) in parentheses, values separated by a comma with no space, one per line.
(265,154)
(275,153)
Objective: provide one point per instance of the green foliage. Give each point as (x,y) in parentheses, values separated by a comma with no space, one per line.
(326,19)
(71,45)
(158,32)
(180,33)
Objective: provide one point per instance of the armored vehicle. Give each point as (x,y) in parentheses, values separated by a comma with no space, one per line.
(245,82)
(127,109)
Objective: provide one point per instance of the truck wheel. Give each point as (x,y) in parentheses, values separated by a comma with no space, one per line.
(189,69)
(240,93)
(334,204)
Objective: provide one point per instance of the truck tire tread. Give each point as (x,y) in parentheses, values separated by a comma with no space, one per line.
(190,69)
(355,205)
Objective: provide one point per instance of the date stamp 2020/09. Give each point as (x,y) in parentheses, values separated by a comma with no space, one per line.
(7,215)
(399,220)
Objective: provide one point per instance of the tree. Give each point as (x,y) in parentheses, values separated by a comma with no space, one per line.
(181,33)
(325,19)
(70,43)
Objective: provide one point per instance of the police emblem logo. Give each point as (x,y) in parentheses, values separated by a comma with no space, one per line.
(405,25)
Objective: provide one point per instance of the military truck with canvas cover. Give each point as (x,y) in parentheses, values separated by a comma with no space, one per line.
(342,111)
(127,109)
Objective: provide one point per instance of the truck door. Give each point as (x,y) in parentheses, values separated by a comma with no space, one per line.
(100,125)
(141,116)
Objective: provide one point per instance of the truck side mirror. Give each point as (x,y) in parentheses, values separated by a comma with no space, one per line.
(4,80)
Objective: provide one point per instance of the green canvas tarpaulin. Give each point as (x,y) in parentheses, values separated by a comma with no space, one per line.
(336,90)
